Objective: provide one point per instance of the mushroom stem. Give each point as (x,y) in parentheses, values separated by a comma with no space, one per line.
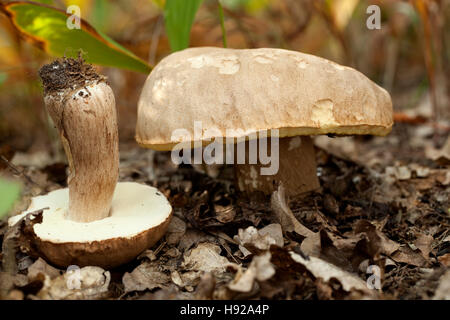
(297,169)
(82,106)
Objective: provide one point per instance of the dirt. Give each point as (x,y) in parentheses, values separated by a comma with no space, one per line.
(67,73)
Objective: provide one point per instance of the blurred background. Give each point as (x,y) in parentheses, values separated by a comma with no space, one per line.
(408,55)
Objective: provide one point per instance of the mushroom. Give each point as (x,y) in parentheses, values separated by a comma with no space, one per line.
(95,221)
(233,96)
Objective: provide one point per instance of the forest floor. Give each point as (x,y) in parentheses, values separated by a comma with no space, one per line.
(379,228)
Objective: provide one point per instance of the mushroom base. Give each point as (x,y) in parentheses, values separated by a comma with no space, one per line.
(139,217)
(297,170)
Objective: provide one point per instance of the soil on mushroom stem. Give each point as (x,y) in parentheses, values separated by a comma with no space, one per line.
(387,207)
(67,73)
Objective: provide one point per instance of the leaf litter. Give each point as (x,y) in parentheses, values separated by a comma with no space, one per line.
(381,208)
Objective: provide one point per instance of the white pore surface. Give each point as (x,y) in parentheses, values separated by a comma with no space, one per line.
(135,208)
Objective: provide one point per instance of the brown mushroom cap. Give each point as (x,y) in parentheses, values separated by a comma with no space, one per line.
(139,217)
(258,89)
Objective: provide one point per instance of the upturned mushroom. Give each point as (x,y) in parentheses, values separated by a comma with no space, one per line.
(199,96)
(95,221)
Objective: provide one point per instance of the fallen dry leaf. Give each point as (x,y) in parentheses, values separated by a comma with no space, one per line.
(327,271)
(260,269)
(275,232)
(377,241)
(443,290)
(423,243)
(87,283)
(187,280)
(311,245)
(285,217)
(175,231)
(9,281)
(42,267)
(146,276)
(399,172)
(329,252)
(440,156)
(205,257)
(225,214)
(206,286)
(445,260)
(193,237)
(252,240)
(406,255)
(289,223)
(19,235)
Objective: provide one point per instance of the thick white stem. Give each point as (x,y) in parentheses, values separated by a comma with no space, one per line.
(87,121)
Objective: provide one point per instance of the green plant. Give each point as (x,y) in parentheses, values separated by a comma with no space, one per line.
(3,77)
(179,16)
(46,27)
(222,25)
(9,192)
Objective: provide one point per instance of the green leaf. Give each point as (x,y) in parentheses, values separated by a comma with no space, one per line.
(179,17)
(49,2)
(222,25)
(3,77)
(47,28)
(9,193)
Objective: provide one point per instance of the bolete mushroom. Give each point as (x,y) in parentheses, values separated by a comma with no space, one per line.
(232,95)
(95,221)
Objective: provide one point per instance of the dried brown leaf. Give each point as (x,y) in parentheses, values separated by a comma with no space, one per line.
(327,271)
(205,288)
(146,276)
(252,240)
(377,240)
(205,257)
(284,215)
(443,290)
(193,237)
(406,255)
(20,236)
(445,260)
(440,156)
(423,243)
(87,283)
(175,231)
(42,267)
(260,269)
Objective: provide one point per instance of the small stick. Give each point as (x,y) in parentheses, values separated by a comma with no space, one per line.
(18,172)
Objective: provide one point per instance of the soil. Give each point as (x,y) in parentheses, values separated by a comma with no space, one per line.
(67,73)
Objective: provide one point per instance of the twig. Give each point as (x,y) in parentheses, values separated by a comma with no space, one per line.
(17,171)
(160,247)
(228,251)
(156,35)
(331,24)
(422,8)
